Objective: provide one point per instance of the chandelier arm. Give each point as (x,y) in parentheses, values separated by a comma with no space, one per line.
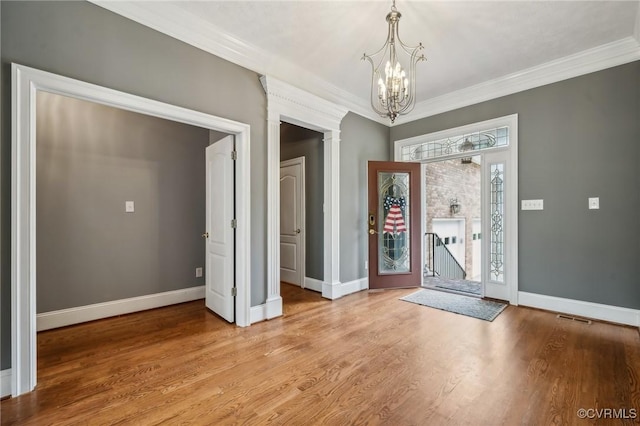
(407,48)
(385,45)
(372,96)
(412,90)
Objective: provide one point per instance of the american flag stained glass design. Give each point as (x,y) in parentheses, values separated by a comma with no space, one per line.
(394,233)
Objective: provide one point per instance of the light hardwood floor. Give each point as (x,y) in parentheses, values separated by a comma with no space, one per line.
(367,358)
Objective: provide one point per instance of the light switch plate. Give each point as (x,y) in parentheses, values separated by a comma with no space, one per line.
(129,207)
(198,272)
(594,203)
(532,205)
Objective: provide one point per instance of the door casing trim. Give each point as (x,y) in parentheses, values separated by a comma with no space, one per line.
(511,187)
(26,82)
(295,106)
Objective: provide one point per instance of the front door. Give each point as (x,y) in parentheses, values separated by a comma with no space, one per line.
(394,224)
(220,235)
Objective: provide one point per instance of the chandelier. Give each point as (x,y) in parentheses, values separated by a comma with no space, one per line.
(393,93)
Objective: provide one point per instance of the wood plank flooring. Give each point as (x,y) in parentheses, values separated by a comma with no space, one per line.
(367,358)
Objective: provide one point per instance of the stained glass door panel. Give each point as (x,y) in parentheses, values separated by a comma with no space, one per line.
(496,216)
(394,232)
(393,224)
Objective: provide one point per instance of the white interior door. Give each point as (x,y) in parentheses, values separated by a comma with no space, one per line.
(219,234)
(292,220)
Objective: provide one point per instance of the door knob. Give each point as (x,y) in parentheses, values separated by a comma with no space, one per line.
(298,231)
(205,235)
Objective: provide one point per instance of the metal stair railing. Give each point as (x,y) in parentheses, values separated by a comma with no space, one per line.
(439,260)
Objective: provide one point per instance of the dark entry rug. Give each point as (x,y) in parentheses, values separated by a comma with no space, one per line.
(486,310)
(465,286)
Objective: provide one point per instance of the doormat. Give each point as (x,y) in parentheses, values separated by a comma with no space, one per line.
(486,310)
(465,286)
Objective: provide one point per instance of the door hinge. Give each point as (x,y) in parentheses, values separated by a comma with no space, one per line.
(234,223)
(234,155)
(234,291)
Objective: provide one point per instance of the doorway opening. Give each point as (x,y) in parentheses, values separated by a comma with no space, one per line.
(493,146)
(291,105)
(453,226)
(27,82)
(301,200)
(120,209)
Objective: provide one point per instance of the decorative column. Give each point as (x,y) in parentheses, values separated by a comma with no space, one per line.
(331,282)
(274,300)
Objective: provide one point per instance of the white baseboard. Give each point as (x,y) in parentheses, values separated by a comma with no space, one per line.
(269,309)
(5,383)
(337,290)
(580,308)
(354,286)
(258,313)
(313,284)
(273,307)
(64,317)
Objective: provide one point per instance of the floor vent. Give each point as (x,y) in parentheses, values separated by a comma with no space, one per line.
(569,317)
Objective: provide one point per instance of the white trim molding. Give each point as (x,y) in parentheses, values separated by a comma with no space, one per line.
(507,154)
(313,284)
(581,308)
(292,105)
(354,286)
(596,59)
(65,317)
(510,121)
(259,313)
(339,290)
(26,82)
(176,22)
(5,383)
(271,309)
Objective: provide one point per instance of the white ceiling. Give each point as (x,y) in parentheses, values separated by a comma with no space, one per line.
(474,49)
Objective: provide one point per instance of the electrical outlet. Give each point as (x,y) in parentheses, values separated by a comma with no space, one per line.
(198,272)
(594,203)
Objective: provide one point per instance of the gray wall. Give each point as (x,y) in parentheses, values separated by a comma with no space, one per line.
(83,41)
(578,138)
(361,140)
(299,142)
(92,158)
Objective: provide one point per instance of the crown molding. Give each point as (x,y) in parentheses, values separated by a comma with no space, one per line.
(290,98)
(170,19)
(605,56)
